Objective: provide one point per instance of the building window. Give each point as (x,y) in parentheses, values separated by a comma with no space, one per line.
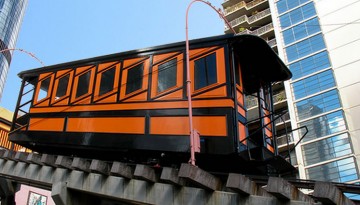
(326,149)
(205,71)
(301,31)
(323,125)
(134,78)
(62,86)
(297,15)
(305,47)
(318,104)
(167,75)
(107,81)
(338,171)
(309,65)
(83,84)
(285,5)
(44,89)
(313,84)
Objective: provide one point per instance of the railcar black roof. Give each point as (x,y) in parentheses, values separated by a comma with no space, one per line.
(259,63)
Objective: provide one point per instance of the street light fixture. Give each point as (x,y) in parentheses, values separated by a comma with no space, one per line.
(195,143)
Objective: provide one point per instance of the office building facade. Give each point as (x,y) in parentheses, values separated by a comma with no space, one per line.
(318,39)
(11,15)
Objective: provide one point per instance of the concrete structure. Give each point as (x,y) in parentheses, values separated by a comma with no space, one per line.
(74,181)
(319,41)
(11,15)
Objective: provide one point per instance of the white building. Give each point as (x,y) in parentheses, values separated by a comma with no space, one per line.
(320,42)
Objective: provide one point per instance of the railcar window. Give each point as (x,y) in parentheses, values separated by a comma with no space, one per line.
(134,78)
(44,89)
(83,84)
(166,75)
(62,86)
(205,71)
(107,81)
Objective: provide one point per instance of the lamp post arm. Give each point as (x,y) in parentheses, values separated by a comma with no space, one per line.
(194,133)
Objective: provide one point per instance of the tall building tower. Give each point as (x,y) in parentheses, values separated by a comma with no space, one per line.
(11,15)
(319,41)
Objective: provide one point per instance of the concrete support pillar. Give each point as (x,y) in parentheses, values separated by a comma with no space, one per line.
(145,173)
(60,194)
(241,184)
(171,175)
(100,167)
(121,169)
(7,192)
(327,193)
(284,190)
(80,164)
(200,177)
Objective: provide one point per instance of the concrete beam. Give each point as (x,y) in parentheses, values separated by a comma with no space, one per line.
(241,184)
(330,194)
(199,177)
(145,173)
(99,166)
(67,183)
(121,169)
(2,152)
(48,159)
(8,154)
(6,188)
(171,175)
(34,158)
(63,162)
(60,194)
(21,156)
(80,164)
(284,190)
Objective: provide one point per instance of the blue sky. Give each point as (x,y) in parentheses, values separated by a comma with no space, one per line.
(59,31)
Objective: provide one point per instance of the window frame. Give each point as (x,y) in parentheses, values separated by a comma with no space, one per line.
(45,100)
(125,70)
(79,72)
(220,70)
(179,75)
(60,75)
(102,68)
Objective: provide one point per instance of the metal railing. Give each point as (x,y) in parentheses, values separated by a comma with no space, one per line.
(259,15)
(282,119)
(237,21)
(259,31)
(285,139)
(241,5)
(252,101)
(234,7)
(263,29)
(250,19)
(254,3)
(272,42)
(278,97)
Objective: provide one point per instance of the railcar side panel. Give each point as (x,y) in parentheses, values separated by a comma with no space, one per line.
(136,102)
(214,126)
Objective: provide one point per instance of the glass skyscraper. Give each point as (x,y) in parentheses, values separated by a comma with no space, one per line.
(326,151)
(319,41)
(11,15)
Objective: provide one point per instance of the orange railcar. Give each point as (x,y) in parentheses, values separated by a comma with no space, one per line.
(133,105)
